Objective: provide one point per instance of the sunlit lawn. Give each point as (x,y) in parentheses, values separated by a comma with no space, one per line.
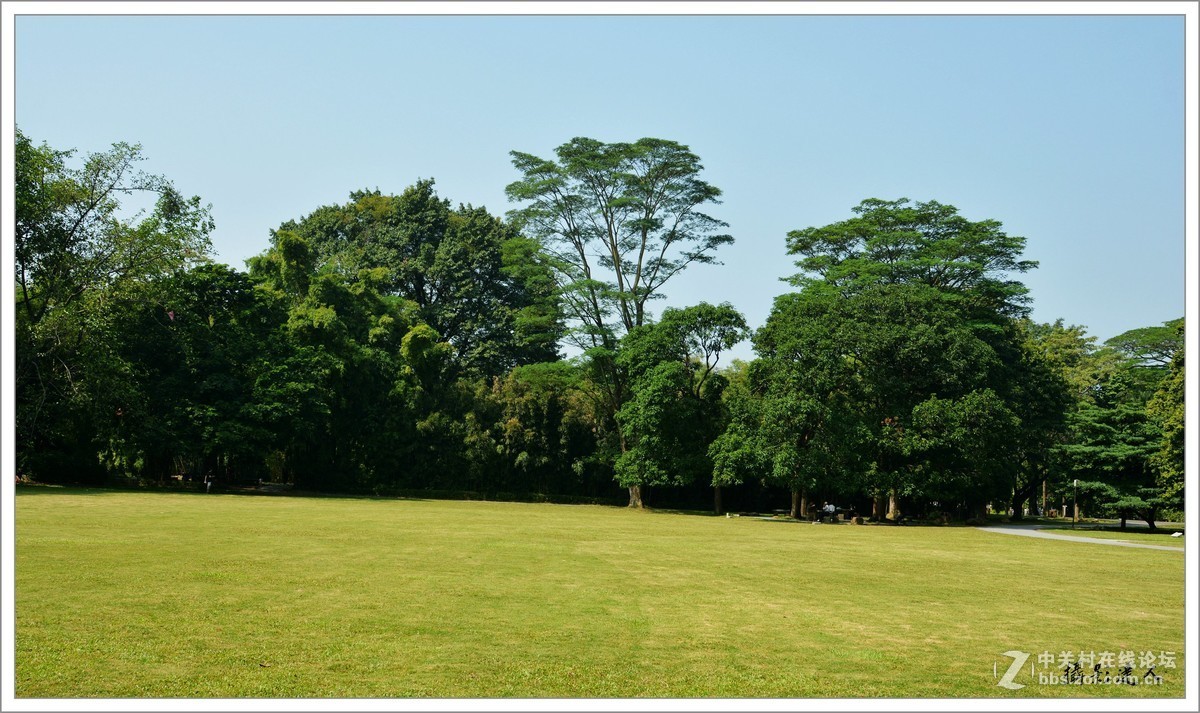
(190,595)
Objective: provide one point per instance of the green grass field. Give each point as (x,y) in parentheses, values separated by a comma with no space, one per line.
(128,594)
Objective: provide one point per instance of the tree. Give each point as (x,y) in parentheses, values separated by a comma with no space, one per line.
(1124,432)
(741,452)
(195,352)
(78,257)
(70,238)
(1109,446)
(1108,450)
(795,422)
(963,447)
(485,289)
(877,357)
(1040,362)
(618,222)
(541,422)
(1071,353)
(1153,347)
(675,409)
(907,311)
(353,374)
(1166,410)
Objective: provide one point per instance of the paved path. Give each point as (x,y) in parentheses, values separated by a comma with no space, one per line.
(1033,531)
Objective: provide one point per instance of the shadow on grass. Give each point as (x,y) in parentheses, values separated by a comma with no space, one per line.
(775,517)
(28,489)
(25,489)
(651,510)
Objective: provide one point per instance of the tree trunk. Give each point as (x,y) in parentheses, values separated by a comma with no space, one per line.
(1022,496)
(1150,517)
(879,508)
(1122,521)
(635,497)
(893,506)
(717,509)
(797,505)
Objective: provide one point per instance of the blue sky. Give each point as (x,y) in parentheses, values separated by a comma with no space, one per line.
(1069,130)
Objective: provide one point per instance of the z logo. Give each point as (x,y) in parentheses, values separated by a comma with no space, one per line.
(1019,658)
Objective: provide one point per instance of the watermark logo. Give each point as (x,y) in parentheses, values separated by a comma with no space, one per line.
(1086,668)
(1019,658)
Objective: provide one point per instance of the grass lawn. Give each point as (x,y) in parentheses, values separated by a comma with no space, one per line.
(128,594)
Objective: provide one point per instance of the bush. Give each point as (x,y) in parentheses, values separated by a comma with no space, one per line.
(1171,515)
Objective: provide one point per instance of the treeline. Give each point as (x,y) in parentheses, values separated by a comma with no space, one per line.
(399,343)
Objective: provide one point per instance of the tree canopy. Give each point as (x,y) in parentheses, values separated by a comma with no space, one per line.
(926,243)
(485,289)
(619,220)
(397,344)
(897,367)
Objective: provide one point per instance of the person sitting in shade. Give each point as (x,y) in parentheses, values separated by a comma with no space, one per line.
(830,510)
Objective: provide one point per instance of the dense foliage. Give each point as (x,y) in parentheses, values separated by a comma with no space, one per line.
(480,285)
(396,344)
(81,261)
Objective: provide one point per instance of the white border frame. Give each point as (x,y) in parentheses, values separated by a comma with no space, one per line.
(1189,9)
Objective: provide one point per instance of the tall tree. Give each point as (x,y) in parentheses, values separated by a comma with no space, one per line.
(1153,347)
(619,221)
(1146,355)
(71,239)
(916,303)
(1108,448)
(1125,440)
(1035,383)
(79,254)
